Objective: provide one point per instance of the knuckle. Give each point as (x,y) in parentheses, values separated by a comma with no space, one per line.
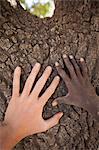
(57,118)
(57,121)
(51,89)
(29,79)
(76,66)
(17,74)
(86,69)
(35,69)
(63,74)
(70,66)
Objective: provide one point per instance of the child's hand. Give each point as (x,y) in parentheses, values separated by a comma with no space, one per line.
(80,91)
(24,112)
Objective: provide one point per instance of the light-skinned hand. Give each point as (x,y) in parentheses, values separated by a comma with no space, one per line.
(24,113)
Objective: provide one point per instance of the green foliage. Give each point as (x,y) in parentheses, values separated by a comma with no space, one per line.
(22,1)
(39,9)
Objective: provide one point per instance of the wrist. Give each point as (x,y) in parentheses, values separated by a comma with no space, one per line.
(8,138)
(93,107)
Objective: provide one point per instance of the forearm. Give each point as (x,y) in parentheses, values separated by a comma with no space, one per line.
(7,138)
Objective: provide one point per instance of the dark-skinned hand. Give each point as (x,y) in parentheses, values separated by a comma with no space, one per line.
(80,91)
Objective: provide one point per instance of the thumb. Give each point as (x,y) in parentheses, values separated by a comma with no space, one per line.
(62,100)
(54,120)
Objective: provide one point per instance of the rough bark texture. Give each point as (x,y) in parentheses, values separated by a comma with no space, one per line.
(25,39)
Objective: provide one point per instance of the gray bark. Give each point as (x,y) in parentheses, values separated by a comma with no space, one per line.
(25,39)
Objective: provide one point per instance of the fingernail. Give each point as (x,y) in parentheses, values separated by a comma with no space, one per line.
(18,68)
(49,68)
(61,114)
(56,64)
(57,77)
(64,56)
(71,56)
(37,64)
(54,103)
(81,59)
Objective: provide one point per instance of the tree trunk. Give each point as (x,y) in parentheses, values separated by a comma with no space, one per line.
(25,39)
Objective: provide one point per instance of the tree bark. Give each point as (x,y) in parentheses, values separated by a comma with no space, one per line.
(25,39)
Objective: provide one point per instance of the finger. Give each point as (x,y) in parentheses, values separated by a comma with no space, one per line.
(59,100)
(50,90)
(16,81)
(41,82)
(63,74)
(69,67)
(53,121)
(76,67)
(31,79)
(83,67)
(62,100)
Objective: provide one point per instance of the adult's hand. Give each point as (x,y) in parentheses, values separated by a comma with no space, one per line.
(24,113)
(80,91)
